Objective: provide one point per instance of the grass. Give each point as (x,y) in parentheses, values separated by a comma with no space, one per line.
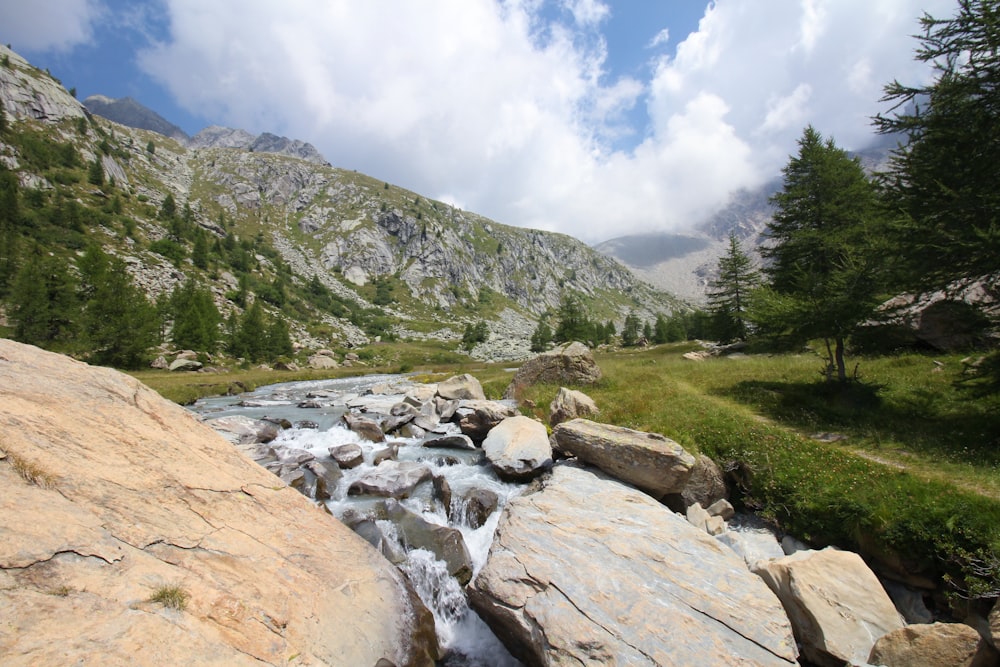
(171,596)
(31,472)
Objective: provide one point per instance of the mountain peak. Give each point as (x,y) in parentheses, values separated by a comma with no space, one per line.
(129,112)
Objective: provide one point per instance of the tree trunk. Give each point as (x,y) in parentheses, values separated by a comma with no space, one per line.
(839,352)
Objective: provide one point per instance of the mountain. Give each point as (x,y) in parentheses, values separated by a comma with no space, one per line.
(127,111)
(342,256)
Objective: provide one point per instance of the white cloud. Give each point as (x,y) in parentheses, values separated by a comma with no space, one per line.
(515,118)
(41,25)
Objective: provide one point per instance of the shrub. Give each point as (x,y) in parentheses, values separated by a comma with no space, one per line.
(172,597)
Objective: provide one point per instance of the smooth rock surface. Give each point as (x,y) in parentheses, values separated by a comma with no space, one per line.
(461,387)
(653,463)
(518,449)
(391,479)
(934,645)
(132,494)
(836,604)
(590,571)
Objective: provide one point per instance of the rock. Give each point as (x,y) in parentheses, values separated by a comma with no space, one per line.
(294,477)
(836,604)
(327,476)
(286,366)
(160,363)
(476,418)
(392,479)
(259,454)
(655,464)
(322,362)
(590,571)
(133,494)
(295,456)
(700,518)
(995,625)
(722,509)
(570,404)
(752,544)
(571,363)
(454,441)
(476,507)
(184,365)
(240,429)
(442,491)
(908,602)
(387,454)
(706,485)
(366,428)
(461,387)
(446,408)
(933,645)
(518,449)
(393,423)
(347,456)
(446,543)
(370,530)
(309,404)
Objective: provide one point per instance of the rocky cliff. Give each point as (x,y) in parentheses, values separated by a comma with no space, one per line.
(131,534)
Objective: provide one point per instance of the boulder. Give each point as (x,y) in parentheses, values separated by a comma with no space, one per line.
(461,387)
(476,418)
(655,464)
(184,365)
(476,507)
(322,362)
(347,456)
(122,495)
(392,479)
(385,454)
(590,571)
(442,491)
(369,529)
(933,645)
(570,404)
(752,544)
(722,509)
(836,604)
(160,363)
(454,441)
(240,429)
(444,542)
(700,518)
(706,485)
(366,428)
(327,476)
(518,449)
(571,363)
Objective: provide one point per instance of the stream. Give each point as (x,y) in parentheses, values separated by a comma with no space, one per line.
(466,640)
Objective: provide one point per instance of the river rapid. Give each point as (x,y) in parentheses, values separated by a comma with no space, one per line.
(315,429)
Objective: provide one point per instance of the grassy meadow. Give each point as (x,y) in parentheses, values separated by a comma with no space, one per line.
(903,465)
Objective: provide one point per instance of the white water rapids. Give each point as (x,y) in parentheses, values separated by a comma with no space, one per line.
(467,640)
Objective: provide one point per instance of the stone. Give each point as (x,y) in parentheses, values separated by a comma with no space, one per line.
(476,418)
(722,509)
(571,363)
(461,387)
(444,542)
(752,544)
(392,479)
(327,474)
(909,602)
(933,645)
(442,491)
(322,362)
(835,603)
(347,456)
(651,462)
(700,518)
(184,365)
(160,363)
(570,404)
(518,449)
(240,429)
(394,423)
(366,428)
(706,484)
(369,529)
(995,625)
(454,441)
(134,494)
(386,454)
(286,366)
(591,571)
(476,507)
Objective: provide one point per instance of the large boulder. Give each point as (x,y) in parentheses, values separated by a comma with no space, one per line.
(571,363)
(591,571)
(933,645)
(652,462)
(518,449)
(461,387)
(835,602)
(366,428)
(242,430)
(706,485)
(112,498)
(570,404)
(444,542)
(391,479)
(476,418)
(322,362)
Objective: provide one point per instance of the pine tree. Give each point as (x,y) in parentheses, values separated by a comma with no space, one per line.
(95,172)
(541,338)
(728,295)
(196,318)
(824,269)
(574,325)
(630,330)
(120,322)
(10,222)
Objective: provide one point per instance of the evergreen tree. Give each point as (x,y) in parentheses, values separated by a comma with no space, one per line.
(541,338)
(728,295)
(630,330)
(43,301)
(10,223)
(661,333)
(196,318)
(943,185)
(574,325)
(199,253)
(823,271)
(647,331)
(95,172)
(120,322)
(278,339)
(168,209)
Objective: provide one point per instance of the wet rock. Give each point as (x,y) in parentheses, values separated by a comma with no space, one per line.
(446,408)
(442,491)
(370,530)
(280,422)
(461,387)
(309,404)
(394,423)
(446,543)
(518,449)
(590,571)
(835,603)
(655,464)
(240,429)
(933,645)
(572,364)
(387,454)
(392,479)
(327,475)
(366,428)
(477,506)
(476,418)
(455,441)
(295,456)
(306,424)
(347,456)
(570,404)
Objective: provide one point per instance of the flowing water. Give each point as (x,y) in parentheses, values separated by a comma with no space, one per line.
(461,632)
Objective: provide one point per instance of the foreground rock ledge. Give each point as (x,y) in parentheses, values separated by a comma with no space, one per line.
(591,571)
(132,494)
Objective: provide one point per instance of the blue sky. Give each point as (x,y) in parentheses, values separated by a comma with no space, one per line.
(596,118)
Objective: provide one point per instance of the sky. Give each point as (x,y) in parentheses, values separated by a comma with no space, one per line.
(594,118)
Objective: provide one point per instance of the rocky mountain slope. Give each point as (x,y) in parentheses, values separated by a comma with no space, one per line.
(127,111)
(428,267)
